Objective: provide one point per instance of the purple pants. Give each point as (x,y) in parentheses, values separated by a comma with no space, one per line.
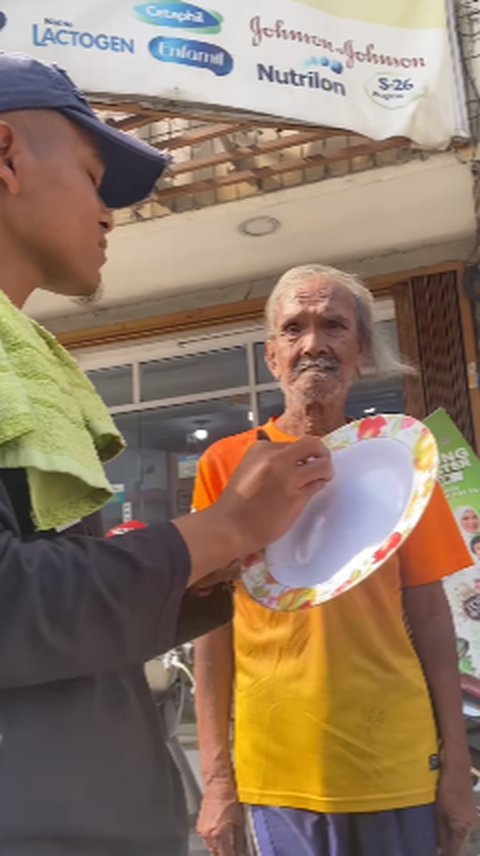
(292,832)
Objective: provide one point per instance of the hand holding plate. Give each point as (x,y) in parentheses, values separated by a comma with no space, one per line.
(269,490)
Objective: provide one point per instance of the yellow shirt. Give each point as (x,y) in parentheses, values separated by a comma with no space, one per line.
(332,709)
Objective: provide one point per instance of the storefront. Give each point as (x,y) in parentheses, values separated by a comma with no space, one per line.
(174,394)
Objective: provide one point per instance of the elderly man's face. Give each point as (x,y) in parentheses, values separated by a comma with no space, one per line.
(315,352)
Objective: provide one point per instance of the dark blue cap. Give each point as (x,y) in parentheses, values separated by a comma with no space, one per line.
(131,166)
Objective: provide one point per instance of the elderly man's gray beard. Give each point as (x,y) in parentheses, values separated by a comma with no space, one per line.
(326,387)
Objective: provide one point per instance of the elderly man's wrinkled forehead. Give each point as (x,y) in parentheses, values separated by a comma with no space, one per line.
(319,294)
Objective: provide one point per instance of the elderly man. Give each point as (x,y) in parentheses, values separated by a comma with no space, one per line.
(83,764)
(348,717)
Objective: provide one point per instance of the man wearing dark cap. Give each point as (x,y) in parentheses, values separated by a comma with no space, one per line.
(83,765)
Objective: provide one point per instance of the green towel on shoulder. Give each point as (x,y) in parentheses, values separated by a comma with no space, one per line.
(53,423)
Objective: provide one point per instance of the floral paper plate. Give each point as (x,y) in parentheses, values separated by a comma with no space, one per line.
(385,469)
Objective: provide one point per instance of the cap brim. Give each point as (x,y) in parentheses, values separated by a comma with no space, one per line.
(131,166)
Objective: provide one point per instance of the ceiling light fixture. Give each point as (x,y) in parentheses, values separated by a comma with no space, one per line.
(200,434)
(259,227)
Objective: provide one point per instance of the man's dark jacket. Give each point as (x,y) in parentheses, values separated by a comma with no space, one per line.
(83,763)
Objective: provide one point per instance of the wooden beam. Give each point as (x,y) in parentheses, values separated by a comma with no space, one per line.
(118,107)
(174,323)
(206,115)
(255,150)
(194,136)
(214,114)
(139,116)
(259,174)
(131,123)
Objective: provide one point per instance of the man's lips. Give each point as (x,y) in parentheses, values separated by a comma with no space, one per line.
(314,369)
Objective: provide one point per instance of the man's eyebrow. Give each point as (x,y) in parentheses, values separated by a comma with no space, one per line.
(326,315)
(292,316)
(337,316)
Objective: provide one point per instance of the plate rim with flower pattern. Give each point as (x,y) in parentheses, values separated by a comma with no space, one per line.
(417,437)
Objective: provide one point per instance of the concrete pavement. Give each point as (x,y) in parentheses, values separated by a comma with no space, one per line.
(196,847)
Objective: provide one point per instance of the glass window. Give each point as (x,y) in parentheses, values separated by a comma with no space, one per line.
(262,373)
(376,396)
(114,385)
(188,375)
(270,404)
(154,477)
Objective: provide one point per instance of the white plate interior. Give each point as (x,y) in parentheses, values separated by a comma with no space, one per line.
(350,518)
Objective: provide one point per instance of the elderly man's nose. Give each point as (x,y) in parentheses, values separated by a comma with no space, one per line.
(314,343)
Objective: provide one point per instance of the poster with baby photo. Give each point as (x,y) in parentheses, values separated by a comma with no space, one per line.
(459,475)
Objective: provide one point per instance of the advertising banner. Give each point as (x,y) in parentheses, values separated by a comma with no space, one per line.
(378,68)
(459,475)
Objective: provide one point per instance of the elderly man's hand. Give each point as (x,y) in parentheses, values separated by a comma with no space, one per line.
(456,809)
(221,822)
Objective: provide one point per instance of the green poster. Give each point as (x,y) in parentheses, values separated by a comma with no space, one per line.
(459,475)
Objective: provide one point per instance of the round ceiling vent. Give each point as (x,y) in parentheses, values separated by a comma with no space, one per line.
(258,227)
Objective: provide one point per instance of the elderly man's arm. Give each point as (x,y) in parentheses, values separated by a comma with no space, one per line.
(221,821)
(431,626)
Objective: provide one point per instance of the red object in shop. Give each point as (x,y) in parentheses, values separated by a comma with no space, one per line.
(124,528)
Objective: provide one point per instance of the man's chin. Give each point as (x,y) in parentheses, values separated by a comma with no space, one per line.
(88,297)
(317,380)
(78,289)
(314,386)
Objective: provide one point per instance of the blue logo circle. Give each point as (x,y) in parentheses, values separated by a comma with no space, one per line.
(3,20)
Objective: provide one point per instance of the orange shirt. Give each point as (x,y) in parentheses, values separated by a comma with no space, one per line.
(332,709)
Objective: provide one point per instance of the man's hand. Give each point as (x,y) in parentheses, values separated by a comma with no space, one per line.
(221,822)
(270,489)
(456,811)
